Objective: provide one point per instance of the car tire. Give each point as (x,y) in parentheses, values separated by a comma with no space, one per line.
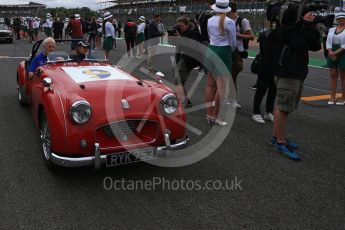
(45,143)
(10,40)
(22,99)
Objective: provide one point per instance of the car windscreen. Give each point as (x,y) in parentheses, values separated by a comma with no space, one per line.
(63,52)
(3,27)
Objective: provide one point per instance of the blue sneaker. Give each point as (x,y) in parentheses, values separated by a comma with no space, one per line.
(289,144)
(286,152)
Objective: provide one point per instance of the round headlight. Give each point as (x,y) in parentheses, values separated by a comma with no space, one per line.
(169,103)
(80,112)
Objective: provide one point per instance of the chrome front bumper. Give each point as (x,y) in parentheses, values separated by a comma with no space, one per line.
(97,160)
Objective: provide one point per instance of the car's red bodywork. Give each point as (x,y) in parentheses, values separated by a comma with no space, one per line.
(104,97)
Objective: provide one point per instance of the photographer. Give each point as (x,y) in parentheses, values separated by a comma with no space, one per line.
(293,41)
(184,50)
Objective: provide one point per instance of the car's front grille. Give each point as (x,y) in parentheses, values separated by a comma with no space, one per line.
(121,129)
(4,34)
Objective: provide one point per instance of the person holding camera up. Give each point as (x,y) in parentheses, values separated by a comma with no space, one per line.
(293,39)
(185,49)
(335,45)
(243,35)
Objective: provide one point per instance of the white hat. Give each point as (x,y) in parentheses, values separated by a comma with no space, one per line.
(340,15)
(48,15)
(221,6)
(77,16)
(142,18)
(107,15)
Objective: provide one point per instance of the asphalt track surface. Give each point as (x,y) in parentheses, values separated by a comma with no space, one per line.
(275,193)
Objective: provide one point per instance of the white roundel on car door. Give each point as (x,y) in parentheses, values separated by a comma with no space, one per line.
(95,73)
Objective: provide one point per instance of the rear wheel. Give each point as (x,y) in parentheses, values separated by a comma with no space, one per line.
(46,143)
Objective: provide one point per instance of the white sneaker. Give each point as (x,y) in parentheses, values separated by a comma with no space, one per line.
(234,104)
(269,117)
(258,119)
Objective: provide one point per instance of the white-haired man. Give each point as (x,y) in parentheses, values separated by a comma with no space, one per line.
(41,58)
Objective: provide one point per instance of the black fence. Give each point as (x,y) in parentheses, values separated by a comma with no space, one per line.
(254,12)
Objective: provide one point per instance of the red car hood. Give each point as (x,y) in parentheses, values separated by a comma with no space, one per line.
(105,88)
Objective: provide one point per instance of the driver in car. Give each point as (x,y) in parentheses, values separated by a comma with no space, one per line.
(41,59)
(82,51)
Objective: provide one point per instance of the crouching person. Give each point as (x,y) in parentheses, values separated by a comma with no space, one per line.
(186,49)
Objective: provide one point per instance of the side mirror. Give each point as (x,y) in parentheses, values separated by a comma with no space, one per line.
(46,82)
(159,76)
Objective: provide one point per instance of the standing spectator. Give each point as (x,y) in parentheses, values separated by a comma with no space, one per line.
(146,33)
(24,28)
(55,28)
(153,36)
(141,36)
(75,28)
(244,34)
(109,34)
(265,77)
(184,50)
(114,22)
(161,29)
(36,28)
(65,28)
(17,27)
(336,58)
(130,31)
(84,25)
(92,32)
(119,28)
(99,33)
(30,21)
(60,26)
(222,34)
(291,68)
(49,25)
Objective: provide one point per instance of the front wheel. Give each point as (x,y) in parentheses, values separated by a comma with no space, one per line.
(22,98)
(46,143)
(21,95)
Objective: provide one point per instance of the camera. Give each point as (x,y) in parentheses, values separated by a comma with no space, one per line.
(172,31)
(288,13)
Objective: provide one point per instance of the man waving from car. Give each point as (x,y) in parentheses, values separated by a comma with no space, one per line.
(41,59)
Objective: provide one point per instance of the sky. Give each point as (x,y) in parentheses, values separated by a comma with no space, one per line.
(59,3)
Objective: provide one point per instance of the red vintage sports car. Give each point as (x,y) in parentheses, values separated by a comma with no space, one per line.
(93,113)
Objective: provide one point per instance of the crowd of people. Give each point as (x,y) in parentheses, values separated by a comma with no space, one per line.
(283,65)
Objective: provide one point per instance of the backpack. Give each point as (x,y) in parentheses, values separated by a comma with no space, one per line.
(245,41)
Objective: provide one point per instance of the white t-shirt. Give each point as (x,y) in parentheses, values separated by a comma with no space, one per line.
(49,23)
(141,28)
(218,39)
(245,27)
(335,39)
(109,30)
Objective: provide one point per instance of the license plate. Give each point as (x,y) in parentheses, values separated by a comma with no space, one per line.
(131,157)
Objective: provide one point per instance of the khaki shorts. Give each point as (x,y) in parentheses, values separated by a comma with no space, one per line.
(237,65)
(289,92)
